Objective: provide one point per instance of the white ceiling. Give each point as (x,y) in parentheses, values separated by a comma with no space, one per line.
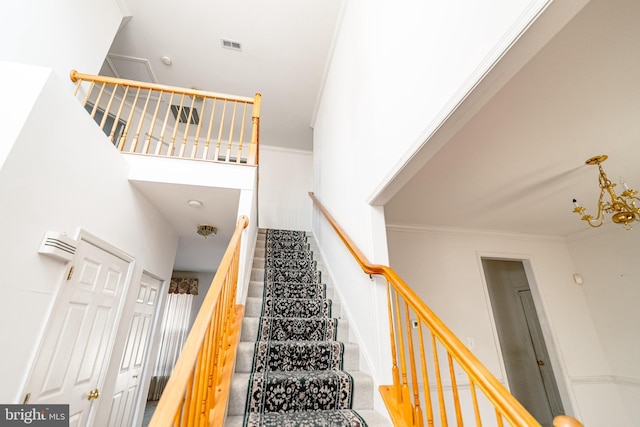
(517,164)
(285,48)
(219,208)
(513,167)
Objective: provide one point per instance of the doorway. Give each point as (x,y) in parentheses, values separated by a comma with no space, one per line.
(126,393)
(526,359)
(75,352)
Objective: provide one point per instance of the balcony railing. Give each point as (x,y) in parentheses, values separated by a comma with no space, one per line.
(437,381)
(151,119)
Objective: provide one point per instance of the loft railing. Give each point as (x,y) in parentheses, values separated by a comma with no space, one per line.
(198,389)
(152,119)
(436,379)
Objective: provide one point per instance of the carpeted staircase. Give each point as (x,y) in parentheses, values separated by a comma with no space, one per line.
(295,366)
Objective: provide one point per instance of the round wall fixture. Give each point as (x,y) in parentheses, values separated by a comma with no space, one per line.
(195,203)
(166,60)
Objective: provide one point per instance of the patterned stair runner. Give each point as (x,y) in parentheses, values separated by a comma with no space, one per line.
(297,377)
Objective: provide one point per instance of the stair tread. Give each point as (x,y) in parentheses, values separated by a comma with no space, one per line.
(298,273)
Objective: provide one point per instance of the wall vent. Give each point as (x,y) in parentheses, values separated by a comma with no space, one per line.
(58,245)
(230,44)
(182,115)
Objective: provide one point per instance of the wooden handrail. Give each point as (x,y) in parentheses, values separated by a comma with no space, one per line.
(76,76)
(159,120)
(197,391)
(504,403)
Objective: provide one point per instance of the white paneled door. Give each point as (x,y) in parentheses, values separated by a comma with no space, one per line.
(76,348)
(126,390)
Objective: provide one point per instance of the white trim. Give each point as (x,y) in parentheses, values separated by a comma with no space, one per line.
(481,85)
(286,150)
(605,379)
(415,228)
(142,61)
(124,9)
(328,62)
(554,352)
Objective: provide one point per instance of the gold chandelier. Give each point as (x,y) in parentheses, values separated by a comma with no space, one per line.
(207,230)
(623,207)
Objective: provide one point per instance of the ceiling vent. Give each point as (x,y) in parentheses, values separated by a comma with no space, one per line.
(182,115)
(230,44)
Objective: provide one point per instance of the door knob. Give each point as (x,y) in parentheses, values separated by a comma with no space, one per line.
(540,362)
(93,394)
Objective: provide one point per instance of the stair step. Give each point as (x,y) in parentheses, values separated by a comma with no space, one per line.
(250,329)
(362,392)
(372,418)
(289,268)
(256,290)
(244,357)
(253,307)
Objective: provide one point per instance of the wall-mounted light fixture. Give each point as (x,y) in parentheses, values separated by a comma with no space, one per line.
(623,207)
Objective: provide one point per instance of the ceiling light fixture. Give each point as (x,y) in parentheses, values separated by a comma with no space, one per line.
(206,230)
(623,207)
(195,203)
(166,60)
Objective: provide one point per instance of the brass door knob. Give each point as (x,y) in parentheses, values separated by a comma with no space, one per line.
(540,362)
(93,394)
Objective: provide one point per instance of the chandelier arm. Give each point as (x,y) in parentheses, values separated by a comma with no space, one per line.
(623,208)
(602,206)
(589,219)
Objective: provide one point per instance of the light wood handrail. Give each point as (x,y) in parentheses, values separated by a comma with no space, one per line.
(197,391)
(480,377)
(565,421)
(159,120)
(76,76)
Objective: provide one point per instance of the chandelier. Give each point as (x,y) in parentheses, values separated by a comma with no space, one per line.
(206,230)
(623,207)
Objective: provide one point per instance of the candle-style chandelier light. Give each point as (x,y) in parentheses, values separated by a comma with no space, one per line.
(623,207)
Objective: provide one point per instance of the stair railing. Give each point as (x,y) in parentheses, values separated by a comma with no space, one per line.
(435,377)
(198,389)
(152,119)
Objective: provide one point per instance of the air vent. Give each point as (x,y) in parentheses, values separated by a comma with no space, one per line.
(230,44)
(183,117)
(58,245)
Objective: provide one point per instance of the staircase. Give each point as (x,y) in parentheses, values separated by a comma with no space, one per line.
(288,261)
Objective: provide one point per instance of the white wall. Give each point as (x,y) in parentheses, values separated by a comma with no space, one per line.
(14,113)
(63,35)
(443,267)
(286,177)
(63,175)
(396,70)
(608,263)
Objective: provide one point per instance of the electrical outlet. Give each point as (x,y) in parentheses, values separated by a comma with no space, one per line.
(471,343)
(414,324)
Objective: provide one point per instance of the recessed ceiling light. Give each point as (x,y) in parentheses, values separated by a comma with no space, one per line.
(166,60)
(195,203)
